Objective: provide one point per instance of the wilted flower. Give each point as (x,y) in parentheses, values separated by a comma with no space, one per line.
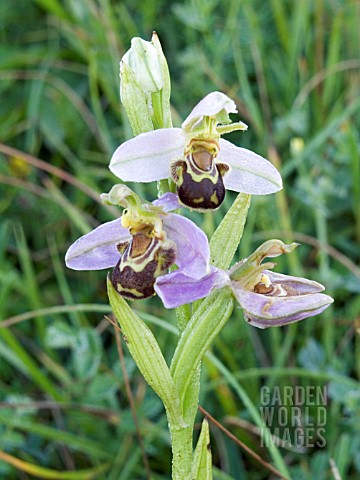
(268,299)
(142,244)
(201,163)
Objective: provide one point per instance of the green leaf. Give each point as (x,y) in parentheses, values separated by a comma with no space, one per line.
(226,239)
(202,465)
(87,353)
(191,397)
(147,354)
(74,441)
(204,326)
(41,472)
(59,335)
(54,7)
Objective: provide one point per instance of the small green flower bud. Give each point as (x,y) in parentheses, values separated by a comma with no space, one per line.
(145,86)
(143,60)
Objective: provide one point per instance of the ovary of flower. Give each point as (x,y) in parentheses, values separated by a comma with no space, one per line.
(202,164)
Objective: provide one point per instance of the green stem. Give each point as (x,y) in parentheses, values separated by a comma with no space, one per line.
(182,451)
(203,327)
(182,435)
(199,331)
(158,114)
(183,315)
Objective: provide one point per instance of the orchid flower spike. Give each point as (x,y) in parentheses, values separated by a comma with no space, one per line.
(142,244)
(201,164)
(268,299)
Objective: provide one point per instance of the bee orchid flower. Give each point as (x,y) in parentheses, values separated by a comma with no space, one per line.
(142,244)
(201,164)
(268,299)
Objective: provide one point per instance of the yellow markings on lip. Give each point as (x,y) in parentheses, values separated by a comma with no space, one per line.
(280,291)
(132,291)
(198,176)
(200,190)
(179,173)
(214,198)
(138,264)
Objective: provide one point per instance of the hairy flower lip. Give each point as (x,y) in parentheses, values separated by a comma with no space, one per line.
(97,250)
(148,156)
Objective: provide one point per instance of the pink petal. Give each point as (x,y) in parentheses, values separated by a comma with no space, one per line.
(302,285)
(193,253)
(209,106)
(169,201)
(148,156)
(177,289)
(250,173)
(265,311)
(97,250)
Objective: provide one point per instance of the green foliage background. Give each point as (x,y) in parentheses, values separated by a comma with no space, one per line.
(293,70)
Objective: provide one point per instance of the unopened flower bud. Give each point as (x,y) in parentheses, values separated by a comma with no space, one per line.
(143,60)
(145,86)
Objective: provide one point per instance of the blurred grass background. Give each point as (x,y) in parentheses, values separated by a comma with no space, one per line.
(293,69)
